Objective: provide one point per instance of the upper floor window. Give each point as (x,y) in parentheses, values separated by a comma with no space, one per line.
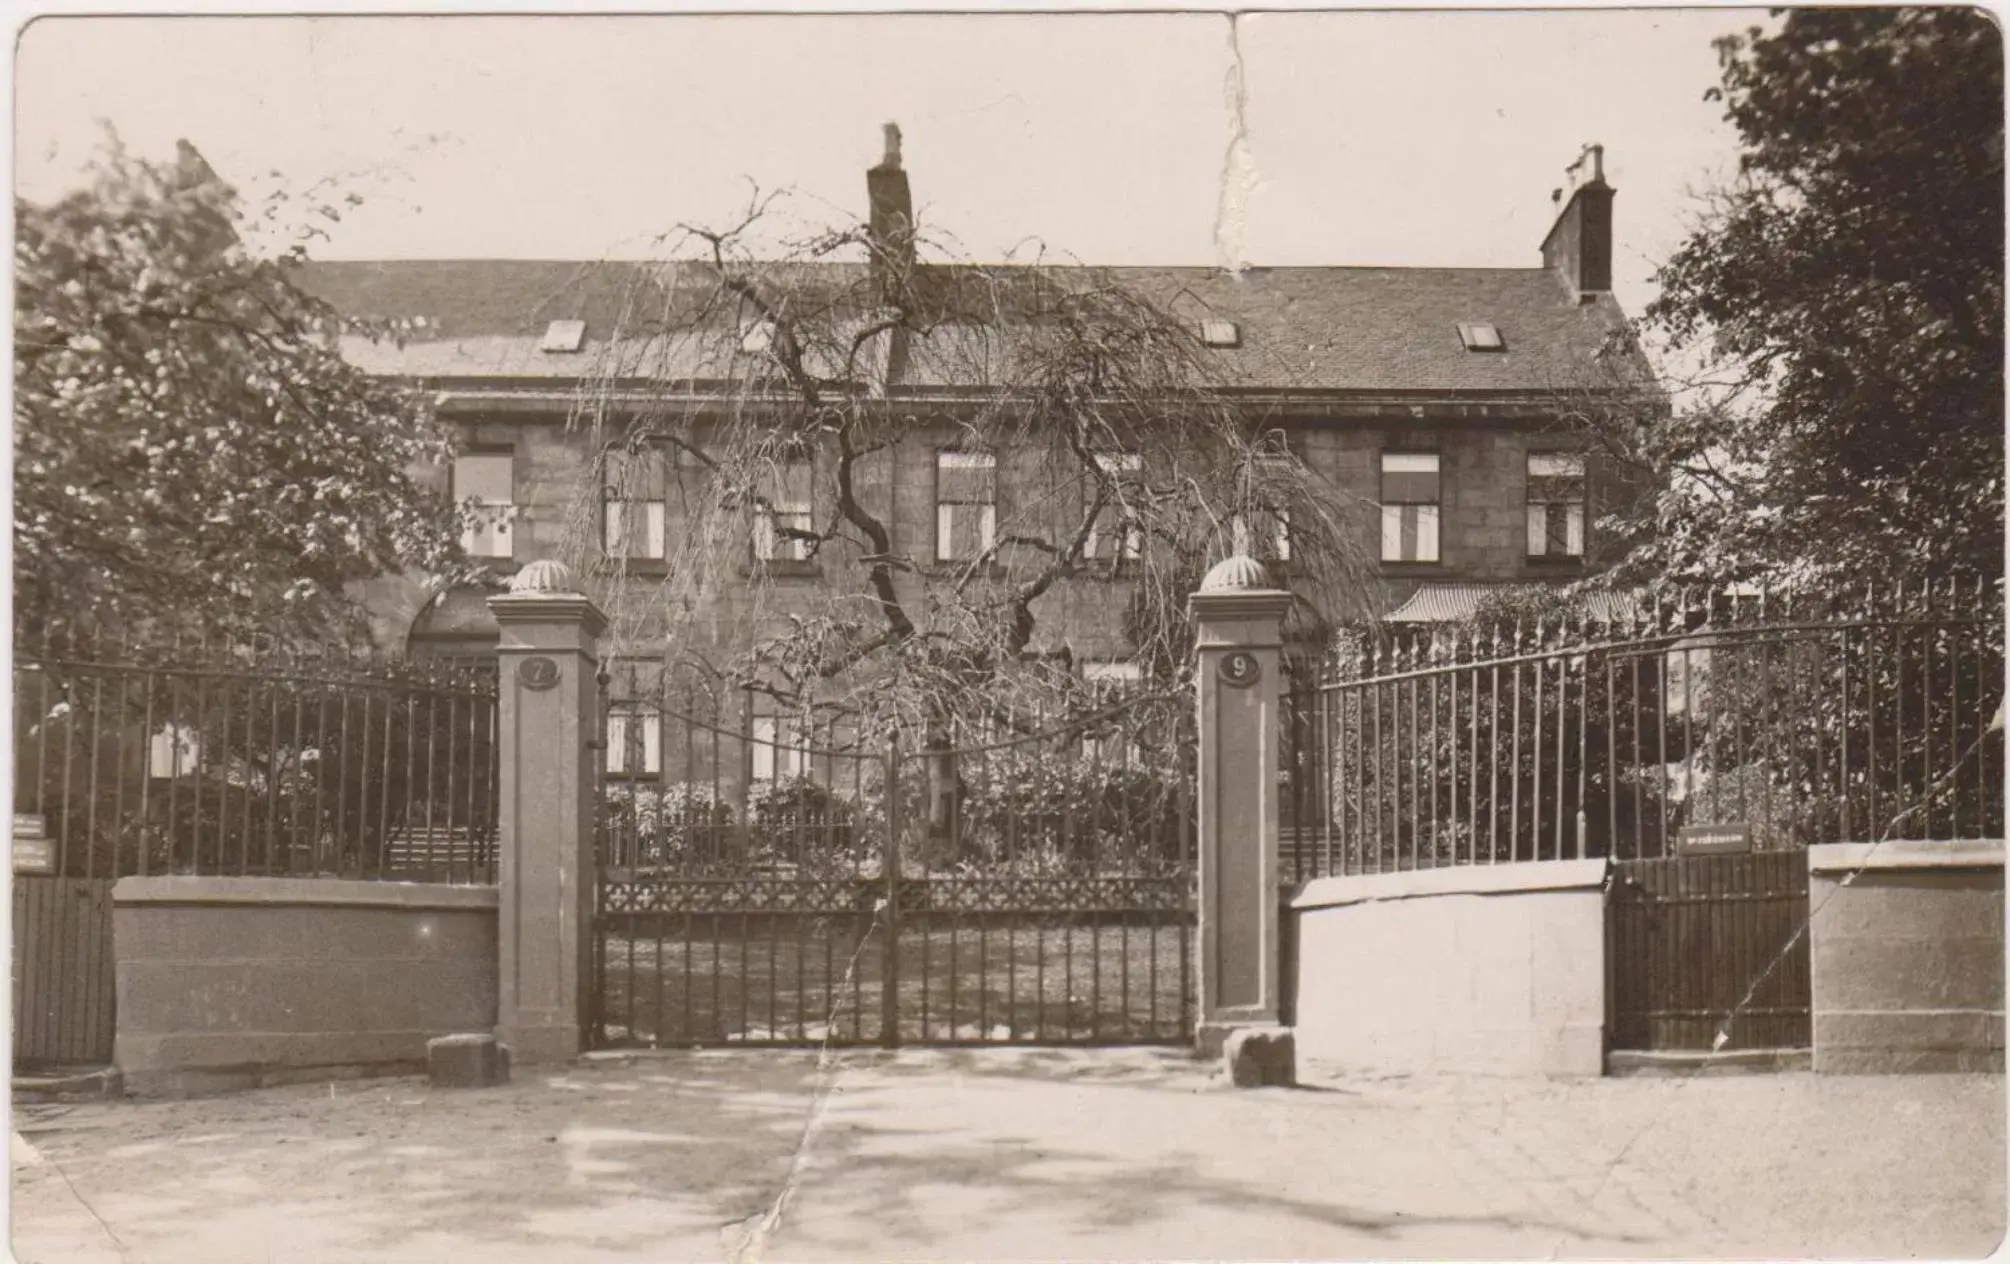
(632,505)
(1555,504)
(1264,534)
(966,504)
(1410,499)
(1115,530)
(1263,531)
(488,479)
(782,523)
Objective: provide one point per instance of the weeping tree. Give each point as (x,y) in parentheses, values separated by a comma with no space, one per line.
(897,486)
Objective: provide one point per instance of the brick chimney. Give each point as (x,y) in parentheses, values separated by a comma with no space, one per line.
(891,222)
(1579,245)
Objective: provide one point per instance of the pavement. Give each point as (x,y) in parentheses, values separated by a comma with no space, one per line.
(749,1155)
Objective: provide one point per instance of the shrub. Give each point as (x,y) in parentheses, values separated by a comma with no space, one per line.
(800,821)
(1046,809)
(677,823)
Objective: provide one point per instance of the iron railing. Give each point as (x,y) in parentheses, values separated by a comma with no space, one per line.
(770,878)
(234,761)
(1780,722)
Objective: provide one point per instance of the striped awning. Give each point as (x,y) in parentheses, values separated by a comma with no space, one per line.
(1441,603)
(1452,603)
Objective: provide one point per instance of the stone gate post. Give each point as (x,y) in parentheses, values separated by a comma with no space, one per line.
(547,716)
(1237,615)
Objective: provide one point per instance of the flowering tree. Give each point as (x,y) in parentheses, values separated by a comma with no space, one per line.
(190,450)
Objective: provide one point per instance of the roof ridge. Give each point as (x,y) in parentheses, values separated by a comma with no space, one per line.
(489,261)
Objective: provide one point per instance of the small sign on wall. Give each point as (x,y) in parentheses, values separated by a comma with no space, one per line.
(1713,840)
(34,851)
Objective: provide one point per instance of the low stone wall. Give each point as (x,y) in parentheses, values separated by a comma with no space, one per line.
(1906,945)
(1487,969)
(232,982)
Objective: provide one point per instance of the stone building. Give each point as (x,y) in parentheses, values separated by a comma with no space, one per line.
(1428,397)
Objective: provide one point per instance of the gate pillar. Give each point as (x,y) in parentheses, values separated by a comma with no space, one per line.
(547,702)
(1237,615)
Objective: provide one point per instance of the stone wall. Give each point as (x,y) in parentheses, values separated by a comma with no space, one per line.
(1492,969)
(232,982)
(1906,943)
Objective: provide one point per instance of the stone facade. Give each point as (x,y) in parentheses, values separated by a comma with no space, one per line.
(1471,363)
(1483,531)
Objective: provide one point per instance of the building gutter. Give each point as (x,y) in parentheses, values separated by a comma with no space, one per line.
(1331,405)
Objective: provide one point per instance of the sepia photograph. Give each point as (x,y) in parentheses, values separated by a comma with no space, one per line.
(1180,634)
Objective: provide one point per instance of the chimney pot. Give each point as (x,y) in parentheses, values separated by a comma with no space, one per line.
(892,159)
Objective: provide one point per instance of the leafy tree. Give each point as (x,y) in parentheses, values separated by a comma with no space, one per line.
(190,450)
(1834,322)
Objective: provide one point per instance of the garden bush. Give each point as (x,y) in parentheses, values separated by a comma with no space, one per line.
(1041,809)
(797,820)
(676,823)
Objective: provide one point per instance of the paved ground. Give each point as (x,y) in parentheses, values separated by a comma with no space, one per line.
(1014,1154)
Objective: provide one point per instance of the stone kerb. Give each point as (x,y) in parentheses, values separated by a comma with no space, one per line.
(1237,615)
(548,717)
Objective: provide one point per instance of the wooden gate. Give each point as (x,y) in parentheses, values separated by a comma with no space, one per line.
(1699,945)
(62,970)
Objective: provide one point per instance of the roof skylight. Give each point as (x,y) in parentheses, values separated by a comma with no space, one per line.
(563,335)
(1481,336)
(1220,333)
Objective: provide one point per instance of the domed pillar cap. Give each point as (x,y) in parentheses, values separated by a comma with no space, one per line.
(1238,587)
(1238,572)
(544,591)
(546,575)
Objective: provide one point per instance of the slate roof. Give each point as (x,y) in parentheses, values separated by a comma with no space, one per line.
(1340,329)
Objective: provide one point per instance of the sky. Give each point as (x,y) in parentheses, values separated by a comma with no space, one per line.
(1408,138)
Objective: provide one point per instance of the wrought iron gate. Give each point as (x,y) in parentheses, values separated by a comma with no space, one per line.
(766,881)
(1703,945)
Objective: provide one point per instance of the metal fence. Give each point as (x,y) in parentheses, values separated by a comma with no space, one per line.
(783,879)
(229,761)
(1784,722)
